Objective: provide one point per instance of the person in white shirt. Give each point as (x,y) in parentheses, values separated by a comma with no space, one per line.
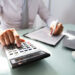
(11,13)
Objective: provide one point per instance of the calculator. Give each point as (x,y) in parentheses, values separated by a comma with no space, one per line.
(27,53)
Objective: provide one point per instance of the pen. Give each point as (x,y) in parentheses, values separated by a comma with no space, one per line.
(55,24)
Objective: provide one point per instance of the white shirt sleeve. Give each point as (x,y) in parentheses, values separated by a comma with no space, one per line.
(43,11)
(45,14)
(50,20)
(0,7)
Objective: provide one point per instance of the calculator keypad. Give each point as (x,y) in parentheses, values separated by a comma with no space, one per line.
(26,53)
(14,51)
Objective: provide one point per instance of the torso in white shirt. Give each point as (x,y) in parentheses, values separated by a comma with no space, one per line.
(12,13)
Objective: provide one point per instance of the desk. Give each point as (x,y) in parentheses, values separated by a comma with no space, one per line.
(60,63)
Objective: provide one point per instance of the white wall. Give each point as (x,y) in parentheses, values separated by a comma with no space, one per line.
(64,10)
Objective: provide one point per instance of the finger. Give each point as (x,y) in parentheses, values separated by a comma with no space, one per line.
(2,40)
(22,40)
(6,38)
(11,36)
(59,29)
(17,38)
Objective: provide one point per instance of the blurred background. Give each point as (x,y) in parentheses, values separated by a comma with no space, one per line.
(64,10)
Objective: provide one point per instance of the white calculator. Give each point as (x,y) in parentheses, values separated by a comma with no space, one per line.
(27,53)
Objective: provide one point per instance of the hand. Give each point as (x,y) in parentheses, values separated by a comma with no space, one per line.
(58,30)
(10,36)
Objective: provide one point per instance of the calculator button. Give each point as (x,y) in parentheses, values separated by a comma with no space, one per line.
(16,52)
(25,50)
(21,51)
(27,45)
(22,46)
(11,53)
(30,49)
(34,48)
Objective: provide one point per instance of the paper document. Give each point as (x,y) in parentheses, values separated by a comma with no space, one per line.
(43,35)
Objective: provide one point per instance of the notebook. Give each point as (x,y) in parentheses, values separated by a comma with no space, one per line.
(44,36)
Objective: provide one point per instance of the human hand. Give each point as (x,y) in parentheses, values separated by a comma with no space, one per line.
(10,36)
(58,29)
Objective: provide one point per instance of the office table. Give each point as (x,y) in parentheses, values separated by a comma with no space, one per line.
(60,62)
